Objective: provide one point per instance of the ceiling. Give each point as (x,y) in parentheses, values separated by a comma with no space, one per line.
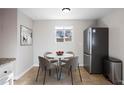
(56,13)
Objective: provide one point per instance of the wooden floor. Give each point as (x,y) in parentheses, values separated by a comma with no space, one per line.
(88,79)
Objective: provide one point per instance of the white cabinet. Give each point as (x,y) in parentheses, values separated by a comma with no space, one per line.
(6,79)
(5,68)
(7,73)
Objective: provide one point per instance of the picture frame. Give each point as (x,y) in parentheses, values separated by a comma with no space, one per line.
(59,35)
(68,35)
(25,36)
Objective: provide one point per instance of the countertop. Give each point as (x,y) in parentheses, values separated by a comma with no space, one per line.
(6,60)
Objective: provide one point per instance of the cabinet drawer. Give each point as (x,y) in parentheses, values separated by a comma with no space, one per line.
(6,68)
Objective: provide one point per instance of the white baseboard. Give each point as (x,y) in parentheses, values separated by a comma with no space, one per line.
(122,82)
(81,65)
(35,65)
(19,76)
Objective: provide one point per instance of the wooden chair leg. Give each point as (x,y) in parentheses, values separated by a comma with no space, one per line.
(71,75)
(60,73)
(44,76)
(79,73)
(38,73)
(42,69)
(57,73)
(68,72)
(57,70)
(50,72)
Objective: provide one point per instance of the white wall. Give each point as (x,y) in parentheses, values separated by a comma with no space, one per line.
(8,35)
(24,53)
(0,31)
(10,21)
(115,22)
(44,37)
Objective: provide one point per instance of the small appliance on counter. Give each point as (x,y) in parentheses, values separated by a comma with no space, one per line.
(113,70)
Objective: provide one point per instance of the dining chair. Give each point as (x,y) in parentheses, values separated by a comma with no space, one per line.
(66,59)
(70,52)
(50,59)
(71,65)
(46,66)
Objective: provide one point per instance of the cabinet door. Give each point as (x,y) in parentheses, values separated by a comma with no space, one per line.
(7,68)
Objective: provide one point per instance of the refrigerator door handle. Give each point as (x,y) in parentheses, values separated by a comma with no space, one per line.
(86,55)
(90,41)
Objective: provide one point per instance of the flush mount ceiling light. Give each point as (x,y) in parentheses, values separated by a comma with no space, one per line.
(66,10)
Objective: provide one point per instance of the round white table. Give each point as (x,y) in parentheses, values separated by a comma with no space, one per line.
(59,56)
(59,63)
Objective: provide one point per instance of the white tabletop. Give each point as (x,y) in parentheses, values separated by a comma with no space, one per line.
(60,56)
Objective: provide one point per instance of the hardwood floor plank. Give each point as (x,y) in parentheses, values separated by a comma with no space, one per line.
(87,79)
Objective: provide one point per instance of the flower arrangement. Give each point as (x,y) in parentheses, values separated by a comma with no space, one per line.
(59,53)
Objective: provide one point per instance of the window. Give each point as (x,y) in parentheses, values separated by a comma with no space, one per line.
(63,34)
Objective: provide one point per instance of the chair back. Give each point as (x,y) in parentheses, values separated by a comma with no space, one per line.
(73,62)
(43,62)
(45,55)
(70,52)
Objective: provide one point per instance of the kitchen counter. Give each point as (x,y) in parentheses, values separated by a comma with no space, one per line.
(6,60)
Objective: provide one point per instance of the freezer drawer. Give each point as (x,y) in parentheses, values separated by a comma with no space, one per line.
(87,62)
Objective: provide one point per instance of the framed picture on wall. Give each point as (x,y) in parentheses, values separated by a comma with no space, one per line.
(68,35)
(59,35)
(25,36)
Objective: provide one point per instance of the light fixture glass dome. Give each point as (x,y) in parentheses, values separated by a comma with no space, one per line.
(66,10)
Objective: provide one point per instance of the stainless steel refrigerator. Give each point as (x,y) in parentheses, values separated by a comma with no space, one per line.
(95,48)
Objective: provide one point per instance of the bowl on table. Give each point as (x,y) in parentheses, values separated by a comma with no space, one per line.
(59,53)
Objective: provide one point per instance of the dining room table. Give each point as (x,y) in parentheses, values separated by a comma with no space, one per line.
(55,56)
